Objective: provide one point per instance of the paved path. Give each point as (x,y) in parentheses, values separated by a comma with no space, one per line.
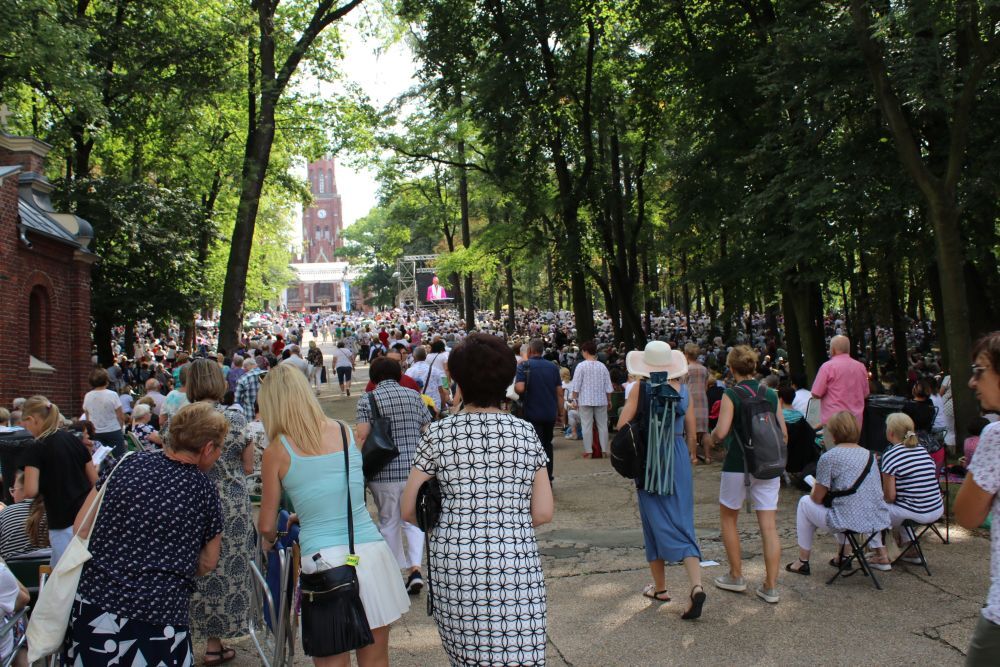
(595,568)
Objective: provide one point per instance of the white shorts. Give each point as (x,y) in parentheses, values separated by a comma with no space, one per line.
(763,492)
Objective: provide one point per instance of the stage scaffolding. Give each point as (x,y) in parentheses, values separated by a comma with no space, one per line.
(407,269)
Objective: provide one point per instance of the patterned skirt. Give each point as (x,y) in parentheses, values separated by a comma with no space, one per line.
(98,637)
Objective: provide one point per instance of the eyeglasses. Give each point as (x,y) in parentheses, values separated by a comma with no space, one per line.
(977,370)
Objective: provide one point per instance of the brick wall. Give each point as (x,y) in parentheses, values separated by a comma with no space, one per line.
(29,160)
(65,279)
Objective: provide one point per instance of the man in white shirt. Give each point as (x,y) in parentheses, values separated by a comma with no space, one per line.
(802,393)
(295,359)
(426,373)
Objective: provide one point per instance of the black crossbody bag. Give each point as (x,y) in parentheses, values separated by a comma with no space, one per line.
(830,495)
(333,617)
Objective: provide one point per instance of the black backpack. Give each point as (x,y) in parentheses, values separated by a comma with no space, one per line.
(759,435)
(628,447)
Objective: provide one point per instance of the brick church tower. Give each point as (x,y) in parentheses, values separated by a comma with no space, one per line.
(322,222)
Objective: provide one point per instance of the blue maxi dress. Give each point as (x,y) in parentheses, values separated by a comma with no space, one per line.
(668,520)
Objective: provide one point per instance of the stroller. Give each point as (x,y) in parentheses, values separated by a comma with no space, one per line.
(275,577)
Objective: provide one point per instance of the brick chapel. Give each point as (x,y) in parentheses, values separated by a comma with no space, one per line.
(45,331)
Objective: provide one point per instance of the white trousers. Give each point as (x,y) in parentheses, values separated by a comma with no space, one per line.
(387,496)
(810,518)
(315,373)
(897,515)
(588,414)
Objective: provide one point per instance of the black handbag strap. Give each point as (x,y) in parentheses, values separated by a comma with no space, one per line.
(430,369)
(858,482)
(347,473)
(374,406)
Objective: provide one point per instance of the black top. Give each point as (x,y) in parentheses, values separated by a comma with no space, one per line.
(157,515)
(61,461)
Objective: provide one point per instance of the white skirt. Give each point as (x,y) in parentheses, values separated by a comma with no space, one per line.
(382,591)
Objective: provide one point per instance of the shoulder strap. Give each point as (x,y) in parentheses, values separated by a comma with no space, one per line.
(858,482)
(373,404)
(347,474)
(430,369)
(95,508)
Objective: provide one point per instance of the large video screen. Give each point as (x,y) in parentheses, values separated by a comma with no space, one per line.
(425,290)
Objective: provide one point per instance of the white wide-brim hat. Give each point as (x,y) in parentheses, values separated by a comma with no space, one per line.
(656,358)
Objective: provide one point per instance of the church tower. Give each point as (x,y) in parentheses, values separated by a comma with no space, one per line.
(321,222)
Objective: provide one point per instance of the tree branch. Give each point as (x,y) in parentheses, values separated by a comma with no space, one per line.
(905,141)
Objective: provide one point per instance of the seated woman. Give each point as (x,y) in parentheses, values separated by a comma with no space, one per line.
(148,436)
(909,480)
(839,469)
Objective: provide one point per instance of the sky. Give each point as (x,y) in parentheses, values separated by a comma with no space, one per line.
(382,76)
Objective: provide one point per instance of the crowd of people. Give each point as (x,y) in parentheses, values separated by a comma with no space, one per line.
(192,434)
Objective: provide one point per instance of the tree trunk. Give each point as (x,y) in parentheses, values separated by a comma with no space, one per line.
(129,350)
(497,305)
(808,304)
(898,328)
(255,163)
(463,196)
(793,342)
(951,268)
(509,277)
(103,323)
(550,291)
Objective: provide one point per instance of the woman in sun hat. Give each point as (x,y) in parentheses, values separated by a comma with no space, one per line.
(666,504)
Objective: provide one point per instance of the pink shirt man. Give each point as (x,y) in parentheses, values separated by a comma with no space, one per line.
(842,382)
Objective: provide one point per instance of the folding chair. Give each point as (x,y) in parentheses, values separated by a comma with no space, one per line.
(274,588)
(910,530)
(8,628)
(857,552)
(946,538)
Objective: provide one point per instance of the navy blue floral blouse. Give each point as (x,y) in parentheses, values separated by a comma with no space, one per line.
(156,517)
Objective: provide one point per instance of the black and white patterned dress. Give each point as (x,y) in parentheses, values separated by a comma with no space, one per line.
(488,587)
(220,605)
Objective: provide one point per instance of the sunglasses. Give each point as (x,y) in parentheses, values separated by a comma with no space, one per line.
(977,370)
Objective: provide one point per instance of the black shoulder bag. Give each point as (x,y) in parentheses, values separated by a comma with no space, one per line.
(830,495)
(428,515)
(333,617)
(379,449)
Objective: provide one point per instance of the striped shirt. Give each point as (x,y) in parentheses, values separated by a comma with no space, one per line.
(14,540)
(916,484)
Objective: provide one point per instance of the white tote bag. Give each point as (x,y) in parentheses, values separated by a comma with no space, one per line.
(50,616)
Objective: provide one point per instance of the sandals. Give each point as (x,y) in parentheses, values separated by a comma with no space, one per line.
(653,594)
(839,561)
(802,569)
(697,602)
(222,656)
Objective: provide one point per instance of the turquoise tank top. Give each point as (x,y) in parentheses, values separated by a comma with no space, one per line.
(318,489)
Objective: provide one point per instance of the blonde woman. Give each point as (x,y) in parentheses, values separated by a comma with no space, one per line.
(863,511)
(305,457)
(57,467)
(909,481)
(742,361)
